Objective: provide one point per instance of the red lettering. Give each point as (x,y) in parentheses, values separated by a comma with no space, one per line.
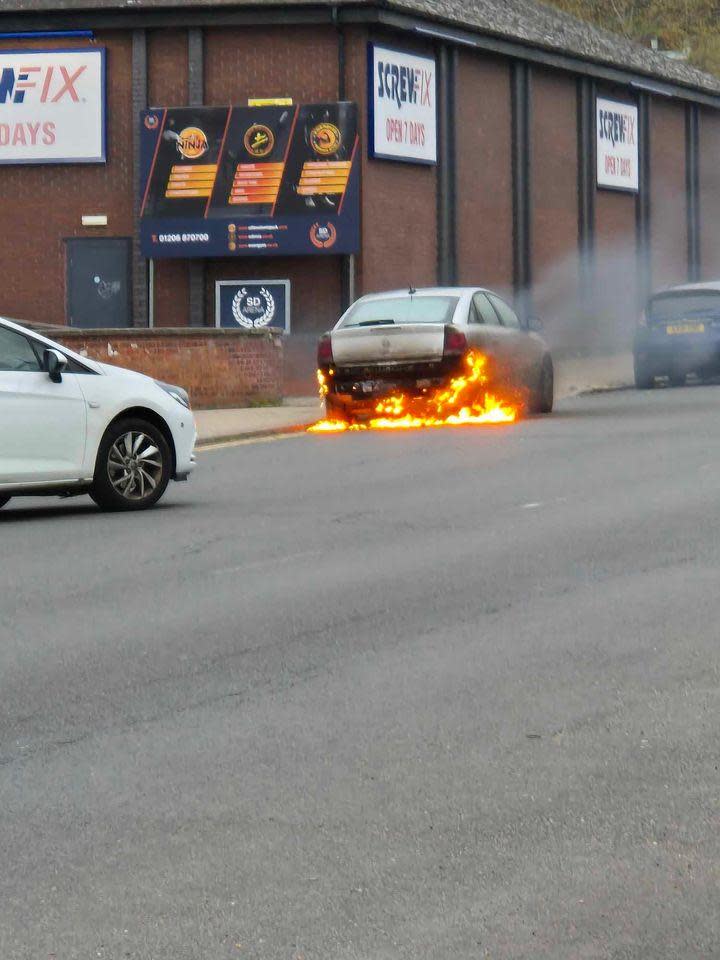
(46,85)
(68,85)
(48,133)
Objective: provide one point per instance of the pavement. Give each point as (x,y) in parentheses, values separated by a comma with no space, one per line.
(444,693)
(573,375)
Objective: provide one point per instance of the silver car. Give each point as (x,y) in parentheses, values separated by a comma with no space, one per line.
(416,341)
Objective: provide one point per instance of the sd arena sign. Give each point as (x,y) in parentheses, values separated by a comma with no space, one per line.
(403,105)
(52,106)
(617,145)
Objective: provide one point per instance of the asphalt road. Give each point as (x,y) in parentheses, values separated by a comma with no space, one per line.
(444,694)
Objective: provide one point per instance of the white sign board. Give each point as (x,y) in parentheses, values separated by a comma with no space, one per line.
(52,106)
(403,105)
(617,145)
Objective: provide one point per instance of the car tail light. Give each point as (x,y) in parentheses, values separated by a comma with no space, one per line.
(455,342)
(324,352)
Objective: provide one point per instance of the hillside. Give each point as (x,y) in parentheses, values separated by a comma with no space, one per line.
(678,25)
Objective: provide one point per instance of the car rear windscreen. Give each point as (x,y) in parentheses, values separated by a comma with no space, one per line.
(693,305)
(439,309)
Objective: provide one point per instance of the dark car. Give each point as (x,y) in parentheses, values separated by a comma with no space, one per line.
(679,334)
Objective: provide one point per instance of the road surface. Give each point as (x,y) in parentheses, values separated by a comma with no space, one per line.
(441,694)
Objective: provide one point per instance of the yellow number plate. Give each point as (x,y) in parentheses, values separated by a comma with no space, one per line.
(685,328)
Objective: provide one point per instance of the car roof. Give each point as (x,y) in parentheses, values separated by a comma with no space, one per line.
(425,292)
(712,285)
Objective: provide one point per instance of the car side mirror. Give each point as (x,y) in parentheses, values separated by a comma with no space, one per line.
(54,363)
(534,324)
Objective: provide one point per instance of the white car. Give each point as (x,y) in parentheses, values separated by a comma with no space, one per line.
(70,425)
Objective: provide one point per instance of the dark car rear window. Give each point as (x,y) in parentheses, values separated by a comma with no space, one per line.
(704,304)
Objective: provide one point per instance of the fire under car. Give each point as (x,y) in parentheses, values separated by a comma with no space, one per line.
(419,345)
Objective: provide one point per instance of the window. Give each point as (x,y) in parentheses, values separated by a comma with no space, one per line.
(484,310)
(690,305)
(507,317)
(406,309)
(16,353)
(72,366)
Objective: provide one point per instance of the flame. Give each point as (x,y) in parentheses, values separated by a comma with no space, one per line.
(464,401)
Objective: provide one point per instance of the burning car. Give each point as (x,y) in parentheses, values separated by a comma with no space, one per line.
(432,356)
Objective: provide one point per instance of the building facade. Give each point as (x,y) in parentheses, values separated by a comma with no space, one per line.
(510,197)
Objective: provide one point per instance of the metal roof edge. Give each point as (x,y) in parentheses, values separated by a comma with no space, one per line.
(548,56)
(389,13)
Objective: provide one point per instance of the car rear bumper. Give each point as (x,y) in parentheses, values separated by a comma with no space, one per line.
(683,352)
(360,388)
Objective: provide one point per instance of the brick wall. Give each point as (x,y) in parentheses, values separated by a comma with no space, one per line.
(484,188)
(668,210)
(617,268)
(556,267)
(709,194)
(219,368)
(399,200)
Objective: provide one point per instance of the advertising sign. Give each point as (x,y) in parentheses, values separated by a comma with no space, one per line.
(250,181)
(403,105)
(617,145)
(253,304)
(52,106)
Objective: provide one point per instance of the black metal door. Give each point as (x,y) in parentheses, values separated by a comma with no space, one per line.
(99,282)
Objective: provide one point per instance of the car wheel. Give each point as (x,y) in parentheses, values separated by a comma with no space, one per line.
(542,401)
(3,501)
(644,379)
(335,410)
(133,466)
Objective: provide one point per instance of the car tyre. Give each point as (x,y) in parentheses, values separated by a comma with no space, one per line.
(335,411)
(3,501)
(644,379)
(133,467)
(542,401)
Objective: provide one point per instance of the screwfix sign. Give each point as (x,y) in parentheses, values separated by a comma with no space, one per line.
(617,145)
(403,107)
(52,106)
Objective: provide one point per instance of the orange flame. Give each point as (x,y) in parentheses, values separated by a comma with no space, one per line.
(463,401)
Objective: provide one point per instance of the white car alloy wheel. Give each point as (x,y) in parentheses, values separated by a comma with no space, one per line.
(134,465)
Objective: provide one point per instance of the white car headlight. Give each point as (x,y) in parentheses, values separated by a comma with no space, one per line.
(177,393)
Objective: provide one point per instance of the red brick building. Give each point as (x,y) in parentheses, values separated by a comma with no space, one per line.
(512,201)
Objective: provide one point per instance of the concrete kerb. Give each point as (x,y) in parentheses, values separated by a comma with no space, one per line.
(209,443)
(226,426)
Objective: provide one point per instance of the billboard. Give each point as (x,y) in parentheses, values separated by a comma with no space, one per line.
(253,304)
(402,115)
(250,181)
(617,145)
(52,106)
